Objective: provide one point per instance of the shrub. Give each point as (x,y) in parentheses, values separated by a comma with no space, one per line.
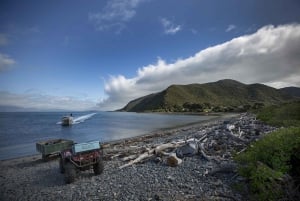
(267,160)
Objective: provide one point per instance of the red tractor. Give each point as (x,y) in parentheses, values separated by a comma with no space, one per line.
(81,157)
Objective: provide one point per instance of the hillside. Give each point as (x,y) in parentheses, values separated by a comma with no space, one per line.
(293,91)
(223,95)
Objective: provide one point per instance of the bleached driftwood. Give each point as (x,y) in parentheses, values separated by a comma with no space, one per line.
(131,157)
(202,151)
(203,138)
(159,150)
(138,159)
(163,147)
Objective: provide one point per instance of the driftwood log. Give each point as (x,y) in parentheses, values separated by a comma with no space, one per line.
(139,158)
(158,150)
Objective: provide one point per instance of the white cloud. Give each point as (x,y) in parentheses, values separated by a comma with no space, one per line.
(6,62)
(115,15)
(39,101)
(271,56)
(230,27)
(169,27)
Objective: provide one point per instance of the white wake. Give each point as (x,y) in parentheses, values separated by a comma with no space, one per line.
(82,118)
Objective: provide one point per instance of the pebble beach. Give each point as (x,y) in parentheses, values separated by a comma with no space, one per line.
(196,178)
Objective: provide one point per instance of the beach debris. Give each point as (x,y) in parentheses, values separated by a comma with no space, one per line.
(173,160)
(215,143)
(189,149)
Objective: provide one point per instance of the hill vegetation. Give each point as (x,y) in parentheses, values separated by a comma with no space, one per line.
(287,114)
(221,96)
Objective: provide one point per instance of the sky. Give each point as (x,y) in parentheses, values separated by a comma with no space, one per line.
(99,55)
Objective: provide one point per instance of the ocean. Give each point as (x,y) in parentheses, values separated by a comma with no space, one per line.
(19,131)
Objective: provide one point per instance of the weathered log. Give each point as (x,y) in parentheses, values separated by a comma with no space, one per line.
(202,151)
(138,159)
(203,138)
(131,157)
(201,147)
(163,147)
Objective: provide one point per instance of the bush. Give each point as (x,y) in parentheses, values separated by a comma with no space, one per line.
(287,114)
(268,160)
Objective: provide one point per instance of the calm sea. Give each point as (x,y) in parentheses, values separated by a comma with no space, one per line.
(19,131)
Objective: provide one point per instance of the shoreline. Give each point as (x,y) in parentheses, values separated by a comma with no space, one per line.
(197,178)
(197,123)
(215,118)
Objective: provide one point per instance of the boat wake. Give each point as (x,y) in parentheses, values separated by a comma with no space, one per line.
(80,119)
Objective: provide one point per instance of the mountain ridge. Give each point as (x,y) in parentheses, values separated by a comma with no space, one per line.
(223,95)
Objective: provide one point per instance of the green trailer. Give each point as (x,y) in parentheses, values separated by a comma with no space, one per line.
(53,147)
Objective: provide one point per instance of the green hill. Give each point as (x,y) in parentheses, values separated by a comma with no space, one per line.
(223,95)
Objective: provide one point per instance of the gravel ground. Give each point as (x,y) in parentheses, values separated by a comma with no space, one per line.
(30,178)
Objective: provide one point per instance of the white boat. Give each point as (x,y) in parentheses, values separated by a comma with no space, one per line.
(67,121)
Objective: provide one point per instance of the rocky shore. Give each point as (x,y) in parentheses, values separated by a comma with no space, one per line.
(207,174)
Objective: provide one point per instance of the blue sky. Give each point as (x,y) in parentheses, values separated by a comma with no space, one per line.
(81,55)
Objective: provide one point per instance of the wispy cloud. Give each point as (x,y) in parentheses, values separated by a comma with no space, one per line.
(3,39)
(115,15)
(230,27)
(6,62)
(270,55)
(40,101)
(169,26)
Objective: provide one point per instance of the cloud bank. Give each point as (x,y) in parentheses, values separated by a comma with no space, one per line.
(270,56)
(44,102)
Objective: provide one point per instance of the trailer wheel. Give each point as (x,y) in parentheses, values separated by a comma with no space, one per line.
(61,165)
(70,173)
(98,167)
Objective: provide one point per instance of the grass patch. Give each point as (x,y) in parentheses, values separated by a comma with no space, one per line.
(268,160)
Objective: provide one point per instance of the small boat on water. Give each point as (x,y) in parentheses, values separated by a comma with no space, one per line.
(67,120)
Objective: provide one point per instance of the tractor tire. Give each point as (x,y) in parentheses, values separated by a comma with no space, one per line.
(70,173)
(98,167)
(61,165)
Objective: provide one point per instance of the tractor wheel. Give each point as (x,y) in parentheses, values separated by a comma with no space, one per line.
(70,173)
(61,165)
(98,167)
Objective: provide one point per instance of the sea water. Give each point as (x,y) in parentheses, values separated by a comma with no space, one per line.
(19,131)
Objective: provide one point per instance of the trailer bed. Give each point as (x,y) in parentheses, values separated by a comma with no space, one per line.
(53,146)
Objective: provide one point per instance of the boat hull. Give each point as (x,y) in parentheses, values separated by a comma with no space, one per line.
(66,121)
